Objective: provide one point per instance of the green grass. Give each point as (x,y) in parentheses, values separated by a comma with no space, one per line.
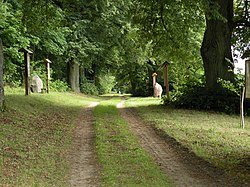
(215,137)
(35,134)
(123,161)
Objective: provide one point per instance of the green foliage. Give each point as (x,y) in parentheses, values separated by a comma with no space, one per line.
(38,68)
(58,86)
(105,83)
(183,79)
(222,100)
(170,41)
(241,35)
(133,33)
(54,41)
(153,35)
(12,34)
(88,87)
(139,87)
(13,75)
(193,95)
(227,85)
(65,30)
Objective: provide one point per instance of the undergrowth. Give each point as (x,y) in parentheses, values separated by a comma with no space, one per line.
(222,100)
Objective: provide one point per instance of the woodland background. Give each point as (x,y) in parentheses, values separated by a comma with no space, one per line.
(101,45)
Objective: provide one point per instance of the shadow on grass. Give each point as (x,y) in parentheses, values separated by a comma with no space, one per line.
(35,133)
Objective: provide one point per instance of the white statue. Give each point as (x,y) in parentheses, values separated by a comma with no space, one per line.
(157,87)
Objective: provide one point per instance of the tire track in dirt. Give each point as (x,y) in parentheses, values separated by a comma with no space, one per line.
(83,160)
(183,167)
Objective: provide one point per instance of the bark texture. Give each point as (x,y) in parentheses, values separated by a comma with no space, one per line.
(73,76)
(216,47)
(1,76)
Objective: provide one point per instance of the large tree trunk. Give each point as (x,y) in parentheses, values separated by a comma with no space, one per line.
(73,76)
(1,77)
(216,47)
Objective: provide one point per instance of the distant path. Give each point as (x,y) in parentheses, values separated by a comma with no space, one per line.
(83,160)
(183,168)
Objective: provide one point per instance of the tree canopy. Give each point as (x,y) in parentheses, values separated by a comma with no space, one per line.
(126,39)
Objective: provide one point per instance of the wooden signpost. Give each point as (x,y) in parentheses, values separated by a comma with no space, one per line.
(47,66)
(165,73)
(26,68)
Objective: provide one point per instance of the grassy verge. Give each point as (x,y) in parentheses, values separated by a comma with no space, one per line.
(35,134)
(124,162)
(215,137)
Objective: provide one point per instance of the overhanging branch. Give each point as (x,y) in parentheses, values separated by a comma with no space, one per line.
(162,19)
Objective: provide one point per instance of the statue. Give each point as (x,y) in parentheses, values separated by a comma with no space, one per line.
(157,87)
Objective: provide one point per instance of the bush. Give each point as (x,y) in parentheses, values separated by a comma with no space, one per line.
(222,100)
(58,86)
(139,87)
(88,87)
(193,95)
(106,83)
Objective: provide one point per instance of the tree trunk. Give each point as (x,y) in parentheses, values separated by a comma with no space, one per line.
(216,46)
(81,75)
(1,77)
(73,76)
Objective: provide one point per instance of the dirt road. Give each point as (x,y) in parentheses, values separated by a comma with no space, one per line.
(83,159)
(183,167)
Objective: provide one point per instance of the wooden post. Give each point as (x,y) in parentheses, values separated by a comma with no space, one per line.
(1,77)
(242,108)
(247,78)
(166,82)
(246,88)
(47,67)
(26,69)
